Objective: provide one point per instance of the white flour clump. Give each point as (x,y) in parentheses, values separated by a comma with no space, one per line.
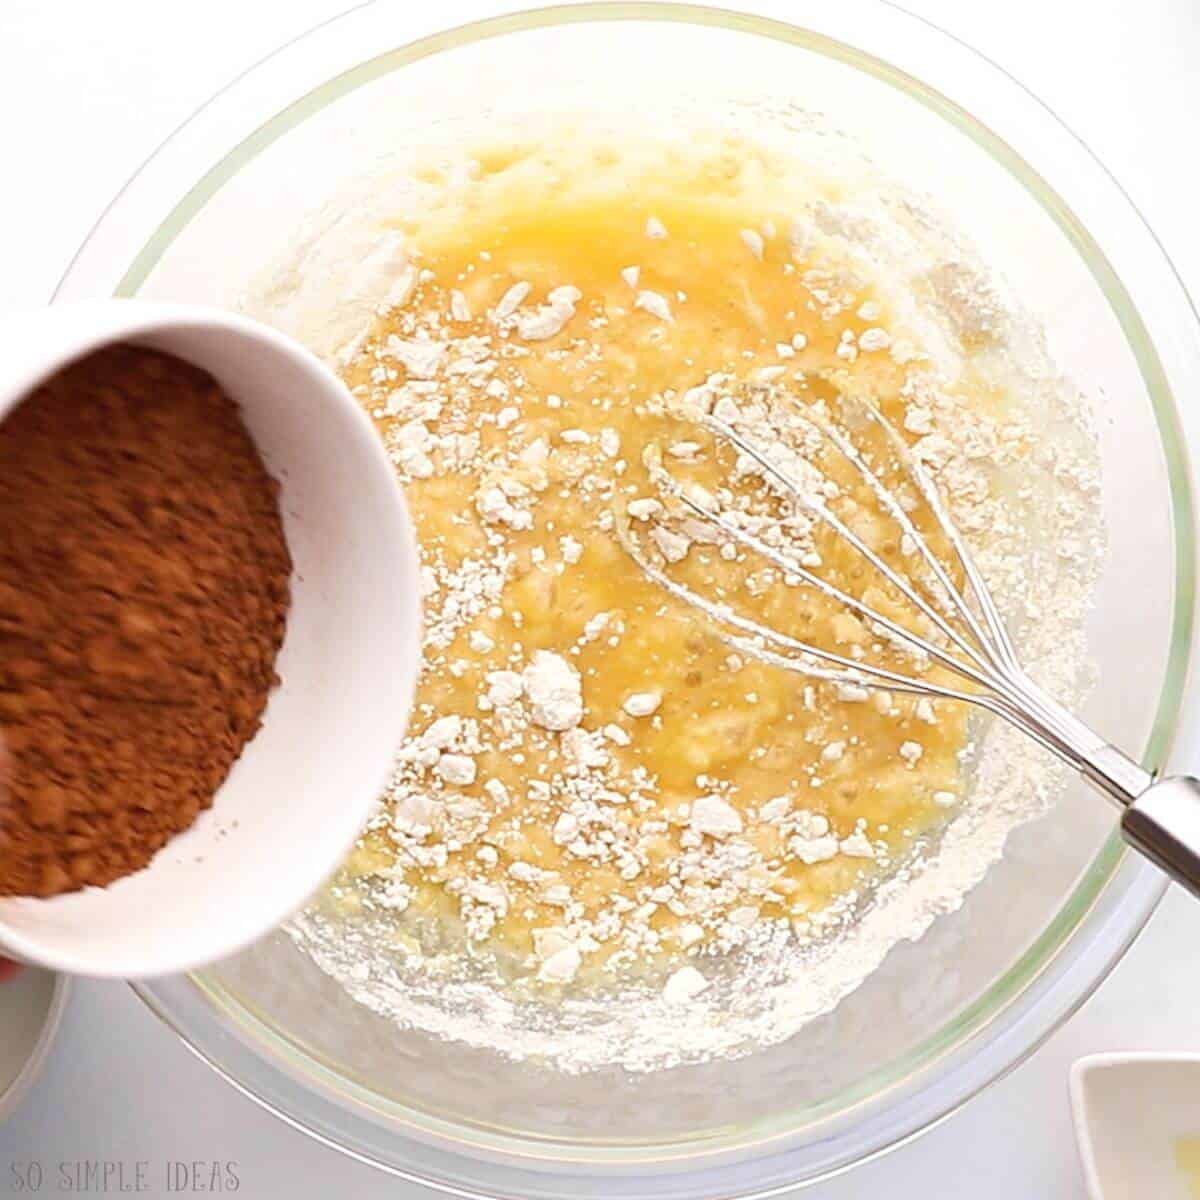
(757,982)
(554,690)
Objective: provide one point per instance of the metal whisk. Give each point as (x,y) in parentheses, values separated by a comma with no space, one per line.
(963,634)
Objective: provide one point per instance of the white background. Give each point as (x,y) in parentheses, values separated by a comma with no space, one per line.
(88,88)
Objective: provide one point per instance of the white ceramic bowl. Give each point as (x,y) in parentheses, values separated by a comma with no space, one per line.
(1137,1121)
(298,796)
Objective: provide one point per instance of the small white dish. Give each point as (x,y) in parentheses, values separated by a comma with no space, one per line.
(1137,1122)
(31,1008)
(304,786)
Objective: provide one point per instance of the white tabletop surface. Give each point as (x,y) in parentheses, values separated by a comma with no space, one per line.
(87,90)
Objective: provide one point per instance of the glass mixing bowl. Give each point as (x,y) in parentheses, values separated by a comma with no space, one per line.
(942,1017)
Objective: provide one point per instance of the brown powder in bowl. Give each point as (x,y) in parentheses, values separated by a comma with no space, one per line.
(144,589)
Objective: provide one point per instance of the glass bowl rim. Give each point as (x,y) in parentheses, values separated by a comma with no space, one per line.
(1010,987)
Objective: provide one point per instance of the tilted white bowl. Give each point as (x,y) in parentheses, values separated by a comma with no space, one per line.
(302,789)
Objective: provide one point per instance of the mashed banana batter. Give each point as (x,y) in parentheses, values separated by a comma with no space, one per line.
(593,780)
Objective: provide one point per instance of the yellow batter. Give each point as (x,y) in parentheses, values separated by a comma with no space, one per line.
(593,779)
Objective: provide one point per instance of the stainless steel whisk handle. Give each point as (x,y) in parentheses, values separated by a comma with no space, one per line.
(1160,819)
(1163,823)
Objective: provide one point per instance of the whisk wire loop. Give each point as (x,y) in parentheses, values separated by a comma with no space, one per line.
(968,635)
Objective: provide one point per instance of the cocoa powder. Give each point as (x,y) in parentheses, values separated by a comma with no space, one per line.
(144,589)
